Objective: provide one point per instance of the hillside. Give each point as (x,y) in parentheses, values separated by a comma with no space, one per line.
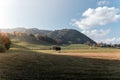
(70,36)
(64,36)
(25,30)
(37,31)
(30,38)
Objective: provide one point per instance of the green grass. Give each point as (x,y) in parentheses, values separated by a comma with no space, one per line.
(75,46)
(17,43)
(23,63)
(23,45)
(65,48)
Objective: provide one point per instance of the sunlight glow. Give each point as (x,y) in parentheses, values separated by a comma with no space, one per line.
(5,21)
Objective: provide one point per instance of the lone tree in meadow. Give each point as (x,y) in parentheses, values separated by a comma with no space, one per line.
(4,42)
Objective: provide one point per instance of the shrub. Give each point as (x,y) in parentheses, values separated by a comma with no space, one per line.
(4,42)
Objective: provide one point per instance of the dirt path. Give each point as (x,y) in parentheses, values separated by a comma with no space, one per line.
(111,56)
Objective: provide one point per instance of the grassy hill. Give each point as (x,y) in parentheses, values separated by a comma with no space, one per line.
(66,48)
(30,38)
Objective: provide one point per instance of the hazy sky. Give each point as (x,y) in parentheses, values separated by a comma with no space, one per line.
(98,19)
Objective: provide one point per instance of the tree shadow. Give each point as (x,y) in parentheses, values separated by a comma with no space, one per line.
(29,65)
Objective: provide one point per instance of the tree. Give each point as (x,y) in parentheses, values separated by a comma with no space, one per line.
(4,42)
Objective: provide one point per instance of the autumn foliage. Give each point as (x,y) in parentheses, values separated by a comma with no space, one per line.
(4,42)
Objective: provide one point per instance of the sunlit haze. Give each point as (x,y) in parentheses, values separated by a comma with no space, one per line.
(98,19)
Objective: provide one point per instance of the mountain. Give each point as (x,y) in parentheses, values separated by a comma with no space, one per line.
(35,39)
(37,31)
(70,36)
(19,29)
(28,31)
(64,36)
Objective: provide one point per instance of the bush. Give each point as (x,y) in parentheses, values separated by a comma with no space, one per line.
(4,42)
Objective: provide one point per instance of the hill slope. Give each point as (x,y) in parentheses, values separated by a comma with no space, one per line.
(70,36)
(39,39)
(64,36)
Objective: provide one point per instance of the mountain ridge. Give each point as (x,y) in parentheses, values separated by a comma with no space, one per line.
(63,36)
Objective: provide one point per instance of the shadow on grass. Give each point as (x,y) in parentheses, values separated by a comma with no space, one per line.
(28,65)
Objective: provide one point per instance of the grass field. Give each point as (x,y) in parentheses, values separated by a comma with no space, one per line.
(75,48)
(23,63)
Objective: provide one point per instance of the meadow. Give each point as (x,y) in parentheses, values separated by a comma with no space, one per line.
(26,61)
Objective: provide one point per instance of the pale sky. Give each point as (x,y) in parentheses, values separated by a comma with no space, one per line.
(98,19)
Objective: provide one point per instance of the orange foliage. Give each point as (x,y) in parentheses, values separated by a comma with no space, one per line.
(4,39)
